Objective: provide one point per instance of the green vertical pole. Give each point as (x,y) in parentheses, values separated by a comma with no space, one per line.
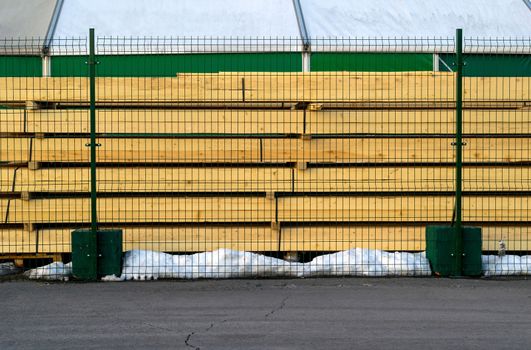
(92,79)
(459,152)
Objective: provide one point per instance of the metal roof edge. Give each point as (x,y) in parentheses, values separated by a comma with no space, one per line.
(302,24)
(51,27)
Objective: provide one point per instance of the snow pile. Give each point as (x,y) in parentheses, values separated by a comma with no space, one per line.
(508,265)
(8,269)
(226,263)
(56,271)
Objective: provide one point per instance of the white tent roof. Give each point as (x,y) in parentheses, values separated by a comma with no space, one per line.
(25,19)
(267,25)
(416,18)
(182,18)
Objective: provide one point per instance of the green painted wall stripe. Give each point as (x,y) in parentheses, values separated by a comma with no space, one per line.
(20,66)
(169,65)
(371,62)
(481,65)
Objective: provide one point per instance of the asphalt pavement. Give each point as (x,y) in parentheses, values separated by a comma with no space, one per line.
(328,313)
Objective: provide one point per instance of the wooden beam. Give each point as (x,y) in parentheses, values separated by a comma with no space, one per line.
(402,209)
(138,209)
(262,87)
(392,238)
(417,122)
(175,239)
(218,150)
(298,239)
(167,121)
(394,150)
(408,178)
(17,241)
(16,150)
(242,150)
(154,179)
(6,179)
(259,209)
(11,121)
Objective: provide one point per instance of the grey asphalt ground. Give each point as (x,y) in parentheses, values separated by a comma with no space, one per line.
(400,313)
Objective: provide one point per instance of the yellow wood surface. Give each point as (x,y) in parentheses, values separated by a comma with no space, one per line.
(149,150)
(295,87)
(428,121)
(176,239)
(393,238)
(166,121)
(179,239)
(6,179)
(260,209)
(411,179)
(417,121)
(402,209)
(14,149)
(205,179)
(134,209)
(11,121)
(390,150)
(145,179)
(242,150)
(17,241)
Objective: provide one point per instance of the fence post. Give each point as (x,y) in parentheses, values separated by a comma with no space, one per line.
(459,152)
(92,81)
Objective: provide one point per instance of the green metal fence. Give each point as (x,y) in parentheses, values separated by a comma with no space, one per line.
(266,157)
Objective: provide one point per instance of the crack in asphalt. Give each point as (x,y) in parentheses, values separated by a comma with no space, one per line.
(280,307)
(189,336)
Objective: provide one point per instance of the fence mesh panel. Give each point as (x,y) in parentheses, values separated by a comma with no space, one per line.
(323,159)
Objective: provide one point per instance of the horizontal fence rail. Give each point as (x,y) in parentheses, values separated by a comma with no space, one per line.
(232,147)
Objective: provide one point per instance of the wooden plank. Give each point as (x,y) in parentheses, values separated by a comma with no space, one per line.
(218,150)
(168,121)
(386,150)
(137,209)
(299,239)
(176,239)
(4,204)
(16,150)
(260,209)
(426,121)
(242,150)
(6,179)
(11,121)
(416,179)
(295,87)
(269,121)
(337,238)
(17,241)
(402,209)
(146,179)
(391,238)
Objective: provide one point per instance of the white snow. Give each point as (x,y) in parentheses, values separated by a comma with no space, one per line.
(226,263)
(508,265)
(8,269)
(56,271)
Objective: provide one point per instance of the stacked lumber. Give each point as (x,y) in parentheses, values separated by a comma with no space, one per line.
(263,161)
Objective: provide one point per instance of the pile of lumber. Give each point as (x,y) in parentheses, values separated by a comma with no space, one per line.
(263,161)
